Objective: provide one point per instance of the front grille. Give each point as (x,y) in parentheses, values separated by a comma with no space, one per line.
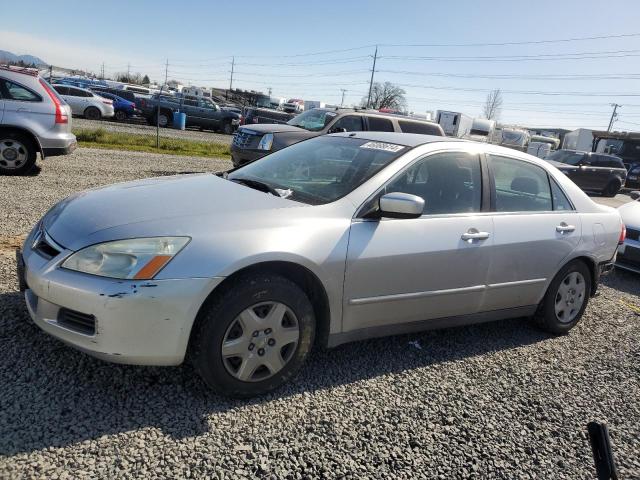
(630,255)
(244,139)
(76,321)
(633,234)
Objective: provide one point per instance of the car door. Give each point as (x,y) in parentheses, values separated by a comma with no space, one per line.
(535,230)
(209,115)
(190,107)
(405,270)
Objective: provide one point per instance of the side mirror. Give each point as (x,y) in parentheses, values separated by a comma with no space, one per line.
(635,195)
(337,130)
(401,205)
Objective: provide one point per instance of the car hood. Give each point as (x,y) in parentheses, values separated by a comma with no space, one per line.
(262,128)
(177,202)
(630,213)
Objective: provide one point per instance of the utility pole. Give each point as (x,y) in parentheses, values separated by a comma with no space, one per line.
(373,70)
(128,73)
(102,71)
(269,91)
(342,101)
(50,73)
(233,61)
(166,71)
(614,115)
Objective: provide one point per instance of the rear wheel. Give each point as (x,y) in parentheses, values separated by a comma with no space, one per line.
(92,113)
(566,299)
(162,119)
(18,153)
(612,188)
(254,336)
(121,116)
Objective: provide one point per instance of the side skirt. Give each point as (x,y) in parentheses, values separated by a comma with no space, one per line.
(336,339)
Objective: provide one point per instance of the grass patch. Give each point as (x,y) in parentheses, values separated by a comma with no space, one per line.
(100,138)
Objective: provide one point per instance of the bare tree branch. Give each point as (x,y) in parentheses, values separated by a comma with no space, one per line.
(493,105)
(386,95)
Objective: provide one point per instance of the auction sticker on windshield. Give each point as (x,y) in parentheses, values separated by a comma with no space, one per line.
(387,147)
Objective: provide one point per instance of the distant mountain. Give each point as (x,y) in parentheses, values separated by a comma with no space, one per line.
(13,58)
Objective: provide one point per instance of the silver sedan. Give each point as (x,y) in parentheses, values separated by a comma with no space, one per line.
(334,239)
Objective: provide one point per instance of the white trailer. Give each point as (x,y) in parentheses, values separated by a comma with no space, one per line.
(482,130)
(311,104)
(454,124)
(580,139)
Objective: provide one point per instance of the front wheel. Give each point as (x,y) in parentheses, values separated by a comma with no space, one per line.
(566,299)
(18,153)
(254,336)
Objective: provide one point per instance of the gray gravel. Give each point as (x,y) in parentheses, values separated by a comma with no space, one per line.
(499,400)
(144,129)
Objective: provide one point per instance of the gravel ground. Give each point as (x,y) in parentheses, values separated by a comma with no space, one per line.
(144,129)
(499,400)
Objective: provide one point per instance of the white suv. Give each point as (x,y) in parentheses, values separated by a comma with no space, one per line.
(33,118)
(85,103)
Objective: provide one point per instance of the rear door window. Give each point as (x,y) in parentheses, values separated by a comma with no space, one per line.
(378,124)
(61,89)
(520,186)
(13,91)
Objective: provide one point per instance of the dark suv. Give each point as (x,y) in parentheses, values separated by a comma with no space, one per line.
(255,141)
(592,172)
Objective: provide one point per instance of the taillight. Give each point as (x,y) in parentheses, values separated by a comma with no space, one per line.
(623,235)
(107,102)
(61,114)
(241,119)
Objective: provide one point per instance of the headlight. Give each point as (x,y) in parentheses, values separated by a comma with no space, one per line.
(137,258)
(266,141)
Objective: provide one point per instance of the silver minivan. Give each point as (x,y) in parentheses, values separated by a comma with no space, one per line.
(33,119)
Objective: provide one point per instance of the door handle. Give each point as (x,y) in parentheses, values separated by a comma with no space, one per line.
(563,227)
(473,234)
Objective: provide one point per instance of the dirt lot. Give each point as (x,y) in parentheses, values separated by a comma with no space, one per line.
(499,400)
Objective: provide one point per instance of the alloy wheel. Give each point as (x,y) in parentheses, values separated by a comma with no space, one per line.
(260,341)
(13,154)
(570,297)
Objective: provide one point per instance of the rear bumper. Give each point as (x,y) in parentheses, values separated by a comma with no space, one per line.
(628,257)
(61,144)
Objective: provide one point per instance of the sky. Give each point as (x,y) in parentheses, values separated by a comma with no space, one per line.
(445,55)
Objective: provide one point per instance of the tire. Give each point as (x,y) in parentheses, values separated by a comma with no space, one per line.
(18,153)
(227,128)
(566,300)
(231,351)
(92,113)
(120,115)
(612,188)
(163,119)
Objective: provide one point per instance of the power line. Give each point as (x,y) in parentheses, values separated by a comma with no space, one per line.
(500,44)
(523,92)
(616,76)
(520,58)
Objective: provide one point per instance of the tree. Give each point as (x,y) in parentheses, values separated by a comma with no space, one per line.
(386,95)
(146,80)
(493,105)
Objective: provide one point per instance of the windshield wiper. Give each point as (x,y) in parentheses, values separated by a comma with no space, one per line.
(257,185)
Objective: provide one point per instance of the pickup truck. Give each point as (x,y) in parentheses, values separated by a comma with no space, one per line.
(201,112)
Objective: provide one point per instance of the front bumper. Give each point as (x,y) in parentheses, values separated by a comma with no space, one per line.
(628,257)
(135,322)
(240,156)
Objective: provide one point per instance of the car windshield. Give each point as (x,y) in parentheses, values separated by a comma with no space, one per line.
(320,170)
(312,120)
(570,158)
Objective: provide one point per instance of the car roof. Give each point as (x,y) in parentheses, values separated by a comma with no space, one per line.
(406,139)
